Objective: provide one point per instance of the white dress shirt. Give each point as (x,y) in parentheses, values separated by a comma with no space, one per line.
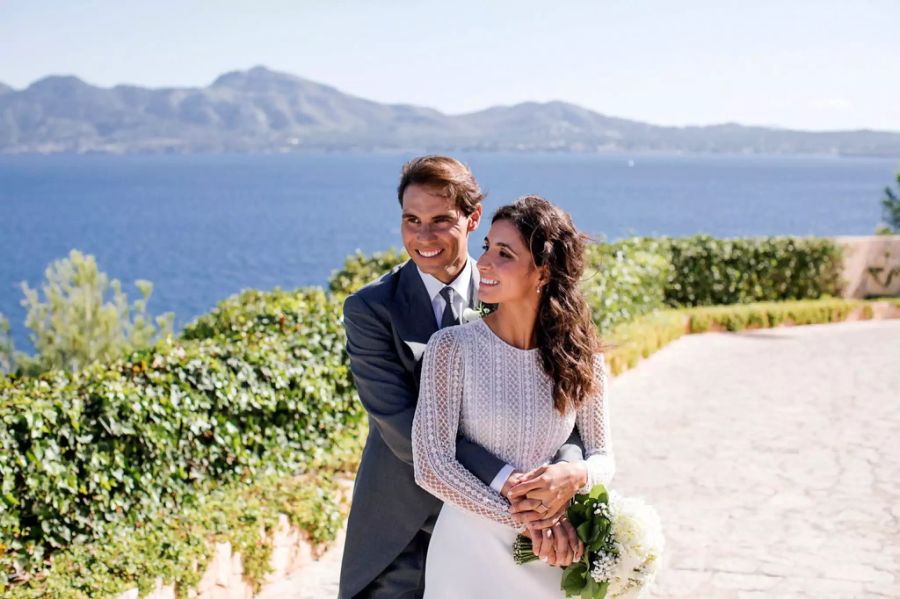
(462,287)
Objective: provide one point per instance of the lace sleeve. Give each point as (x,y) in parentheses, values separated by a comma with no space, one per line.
(434,434)
(593,424)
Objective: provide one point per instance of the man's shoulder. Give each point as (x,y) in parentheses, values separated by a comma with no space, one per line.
(380,291)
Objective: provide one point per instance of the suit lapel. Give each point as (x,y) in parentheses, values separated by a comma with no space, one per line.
(411,310)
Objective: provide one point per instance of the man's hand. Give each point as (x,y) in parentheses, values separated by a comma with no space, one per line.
(515,478)
(558,545)
(540,497)
(569,547)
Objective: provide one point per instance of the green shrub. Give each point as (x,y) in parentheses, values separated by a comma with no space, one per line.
(7,348)
(262,383)
(177,547)
(632,341)
(624,280)
(772,314)
(85,317)
(890,208)
(360,269)
(708,271)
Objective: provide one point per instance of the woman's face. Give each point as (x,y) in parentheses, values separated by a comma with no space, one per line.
(507,268)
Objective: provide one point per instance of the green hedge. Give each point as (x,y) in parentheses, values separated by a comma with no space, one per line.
(624,280)
(706,271)
(632,341)
(261,383)
(771,314)
(636,276)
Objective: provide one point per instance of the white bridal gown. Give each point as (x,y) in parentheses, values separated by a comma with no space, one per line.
(475,384)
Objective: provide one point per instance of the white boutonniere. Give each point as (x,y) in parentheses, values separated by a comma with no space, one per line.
(469,315)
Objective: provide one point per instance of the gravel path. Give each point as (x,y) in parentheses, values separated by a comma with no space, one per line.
(772,456)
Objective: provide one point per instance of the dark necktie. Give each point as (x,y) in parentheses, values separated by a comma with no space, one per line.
(448,318)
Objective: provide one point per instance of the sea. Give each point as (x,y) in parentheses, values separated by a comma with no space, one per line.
(202,228)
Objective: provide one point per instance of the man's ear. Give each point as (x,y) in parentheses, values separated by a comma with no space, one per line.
(474,219)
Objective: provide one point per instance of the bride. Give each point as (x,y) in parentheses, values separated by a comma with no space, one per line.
(515,382)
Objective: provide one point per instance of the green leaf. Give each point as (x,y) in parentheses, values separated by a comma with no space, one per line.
(574,579)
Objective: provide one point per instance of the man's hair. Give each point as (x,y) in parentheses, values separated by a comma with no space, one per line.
(448,176)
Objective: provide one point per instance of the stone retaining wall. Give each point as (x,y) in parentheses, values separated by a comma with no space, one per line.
(871,266)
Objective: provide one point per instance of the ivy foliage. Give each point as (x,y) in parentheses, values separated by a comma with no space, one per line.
(177,547)
(262,383)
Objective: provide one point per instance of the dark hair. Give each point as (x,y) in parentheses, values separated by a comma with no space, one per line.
(566,337)
(449,176)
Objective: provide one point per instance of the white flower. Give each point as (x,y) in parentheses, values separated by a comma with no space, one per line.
(637,533)
(604,567)
(469,315)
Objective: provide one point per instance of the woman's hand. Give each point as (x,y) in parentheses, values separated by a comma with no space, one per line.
(539,498)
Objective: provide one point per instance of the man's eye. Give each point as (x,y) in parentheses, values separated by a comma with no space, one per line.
(504,254)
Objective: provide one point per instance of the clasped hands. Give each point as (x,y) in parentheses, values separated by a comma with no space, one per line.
(539,500)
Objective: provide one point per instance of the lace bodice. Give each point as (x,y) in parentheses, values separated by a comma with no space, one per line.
(498,396)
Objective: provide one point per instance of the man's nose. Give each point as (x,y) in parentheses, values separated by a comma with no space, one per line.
(426,231)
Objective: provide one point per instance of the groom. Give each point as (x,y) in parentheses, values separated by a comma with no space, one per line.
(388,323)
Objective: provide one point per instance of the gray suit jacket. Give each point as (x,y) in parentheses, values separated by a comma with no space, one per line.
(388,323)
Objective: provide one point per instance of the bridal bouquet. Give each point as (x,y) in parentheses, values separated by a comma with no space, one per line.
(623,543)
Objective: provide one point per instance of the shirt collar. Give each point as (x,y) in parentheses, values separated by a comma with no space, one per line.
(461,284)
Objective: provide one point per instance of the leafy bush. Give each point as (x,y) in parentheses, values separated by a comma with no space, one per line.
(78,324)
(262,383)
(772,314)
(890,208)
(624,280)
(360,269)
(708,271)
(7,348)
(177,547)
(632,341)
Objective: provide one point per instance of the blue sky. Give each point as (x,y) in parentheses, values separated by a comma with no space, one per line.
(810,64)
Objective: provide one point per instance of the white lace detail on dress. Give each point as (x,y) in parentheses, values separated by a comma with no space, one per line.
(497,396)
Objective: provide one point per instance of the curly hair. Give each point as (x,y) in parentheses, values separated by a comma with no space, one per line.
(566,337)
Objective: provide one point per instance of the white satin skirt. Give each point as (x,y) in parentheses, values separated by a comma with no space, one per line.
(470,557)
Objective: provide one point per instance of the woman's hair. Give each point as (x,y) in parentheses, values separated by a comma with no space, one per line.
(566,337)
(450,177)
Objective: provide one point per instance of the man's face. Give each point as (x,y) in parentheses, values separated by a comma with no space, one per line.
(435,232)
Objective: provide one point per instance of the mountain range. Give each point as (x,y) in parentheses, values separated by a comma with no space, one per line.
(260,110)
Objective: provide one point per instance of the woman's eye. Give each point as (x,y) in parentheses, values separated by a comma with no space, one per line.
(484,247)
(504,255)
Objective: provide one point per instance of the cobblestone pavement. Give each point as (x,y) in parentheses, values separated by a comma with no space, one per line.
(772,456)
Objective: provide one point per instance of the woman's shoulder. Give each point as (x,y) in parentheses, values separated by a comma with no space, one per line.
(458,336)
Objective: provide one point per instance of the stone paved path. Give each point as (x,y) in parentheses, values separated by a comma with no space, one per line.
(772,456)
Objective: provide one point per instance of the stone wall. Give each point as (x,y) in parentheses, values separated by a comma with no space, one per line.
(871,266)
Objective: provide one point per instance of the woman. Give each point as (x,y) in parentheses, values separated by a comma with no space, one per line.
(516,382)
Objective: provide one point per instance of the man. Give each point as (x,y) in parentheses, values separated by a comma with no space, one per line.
(388,324)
